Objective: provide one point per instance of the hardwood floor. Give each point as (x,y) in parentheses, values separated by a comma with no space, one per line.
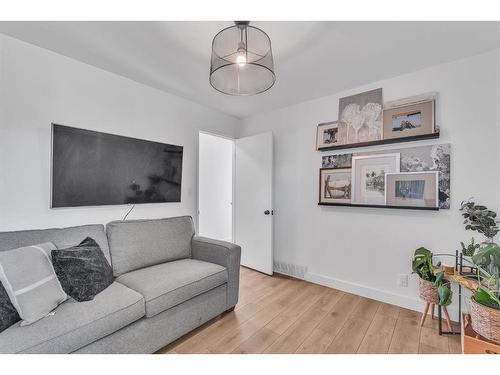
(284,315)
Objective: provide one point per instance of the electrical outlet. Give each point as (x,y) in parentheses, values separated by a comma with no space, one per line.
(403,280)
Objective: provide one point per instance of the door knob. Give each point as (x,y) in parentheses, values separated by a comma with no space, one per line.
(267,212)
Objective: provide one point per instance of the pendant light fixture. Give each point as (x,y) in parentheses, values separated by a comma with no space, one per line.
(242,60)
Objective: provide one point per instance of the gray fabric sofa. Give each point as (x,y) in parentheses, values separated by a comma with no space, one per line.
(168,282)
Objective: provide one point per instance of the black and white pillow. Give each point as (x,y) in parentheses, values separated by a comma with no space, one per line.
(8,313)
(83,270)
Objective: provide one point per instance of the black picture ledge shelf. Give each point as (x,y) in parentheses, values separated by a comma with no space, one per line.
(382,142)
(381,206)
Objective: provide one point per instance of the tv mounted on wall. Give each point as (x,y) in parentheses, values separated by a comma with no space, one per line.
(91,168)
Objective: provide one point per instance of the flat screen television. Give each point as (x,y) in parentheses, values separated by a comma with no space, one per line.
(91,168)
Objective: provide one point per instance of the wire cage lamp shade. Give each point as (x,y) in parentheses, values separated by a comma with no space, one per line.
(242,60)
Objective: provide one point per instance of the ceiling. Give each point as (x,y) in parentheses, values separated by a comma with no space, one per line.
(312,59)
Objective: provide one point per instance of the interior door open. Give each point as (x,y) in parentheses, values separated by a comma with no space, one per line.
(253,201)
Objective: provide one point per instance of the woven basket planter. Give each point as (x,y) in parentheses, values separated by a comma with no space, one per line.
(428,292)
(485,321)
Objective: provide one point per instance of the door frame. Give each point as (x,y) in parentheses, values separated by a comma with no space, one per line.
(233,158)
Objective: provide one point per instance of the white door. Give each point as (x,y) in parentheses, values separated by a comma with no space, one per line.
(253,201)
(215,187)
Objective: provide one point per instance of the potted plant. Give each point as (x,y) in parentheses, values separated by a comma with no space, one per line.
(467,252)
(485,302)
(433,289)
(480,219)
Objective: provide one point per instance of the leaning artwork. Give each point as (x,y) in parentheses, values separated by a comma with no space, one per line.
(360,117)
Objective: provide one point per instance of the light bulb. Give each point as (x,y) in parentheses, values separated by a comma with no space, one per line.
(241,59)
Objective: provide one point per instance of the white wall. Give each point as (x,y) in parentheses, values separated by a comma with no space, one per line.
(215,187)
(356,249)
(38,87)
(360,249)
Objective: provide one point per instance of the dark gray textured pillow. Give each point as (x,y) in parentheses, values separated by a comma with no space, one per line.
(8,313)
(82,270)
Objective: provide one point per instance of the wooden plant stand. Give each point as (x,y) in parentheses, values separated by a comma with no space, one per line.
(432,305)
(473,343)
(461,281)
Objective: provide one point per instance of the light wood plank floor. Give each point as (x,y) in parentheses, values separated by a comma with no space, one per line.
(280,314)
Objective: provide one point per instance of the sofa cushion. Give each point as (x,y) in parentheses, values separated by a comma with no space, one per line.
(169,284)
(76,324)
(137,244)
(61,237)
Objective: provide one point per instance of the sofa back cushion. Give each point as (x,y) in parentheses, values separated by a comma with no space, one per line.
(137,244)
(61,237)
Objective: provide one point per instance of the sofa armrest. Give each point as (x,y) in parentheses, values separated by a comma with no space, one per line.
(225,254)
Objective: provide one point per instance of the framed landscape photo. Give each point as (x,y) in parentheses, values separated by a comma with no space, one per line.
(368,177)
(335,185)
(409,120)
(412,189)
(327,135)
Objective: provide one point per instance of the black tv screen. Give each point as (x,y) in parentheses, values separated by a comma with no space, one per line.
(91,168)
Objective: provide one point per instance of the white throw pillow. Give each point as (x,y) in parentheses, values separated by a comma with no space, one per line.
(30,281)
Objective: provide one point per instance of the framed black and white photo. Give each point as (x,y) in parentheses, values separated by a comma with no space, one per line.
(368,177)
(327,135)
(412,189)
(335,185)
(336,161)
(410,119)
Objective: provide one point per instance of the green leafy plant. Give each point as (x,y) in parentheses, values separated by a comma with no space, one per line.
(470,249)
(486,297)
(488,257)
(422,265)
(478,218)
(444,291)
(487,261)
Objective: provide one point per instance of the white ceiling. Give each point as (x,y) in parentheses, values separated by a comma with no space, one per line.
(312,59)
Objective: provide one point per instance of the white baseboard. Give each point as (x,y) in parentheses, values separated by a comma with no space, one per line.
(412,303)
(289,269)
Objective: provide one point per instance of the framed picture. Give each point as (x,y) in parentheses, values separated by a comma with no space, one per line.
(421,98)
(336,161)
(327,135)
(409,120)
(414,189)
(360,117)
(435,157)
(368,177)
(431,158)
(335,185)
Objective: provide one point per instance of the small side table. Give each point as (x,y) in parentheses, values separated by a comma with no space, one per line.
(461,281)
